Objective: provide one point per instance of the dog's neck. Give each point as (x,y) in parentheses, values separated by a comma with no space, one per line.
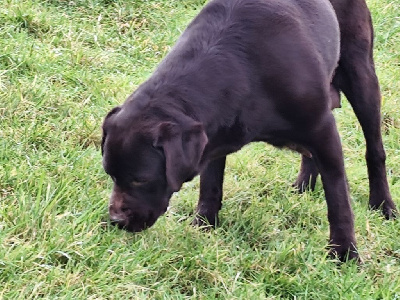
(160,101)
(224,136)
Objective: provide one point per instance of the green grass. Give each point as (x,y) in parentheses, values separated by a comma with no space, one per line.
(63,66)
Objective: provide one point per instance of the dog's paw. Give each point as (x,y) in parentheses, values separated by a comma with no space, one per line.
(204,221)
(388,208)
(305,182)
(390,213)
(344,253)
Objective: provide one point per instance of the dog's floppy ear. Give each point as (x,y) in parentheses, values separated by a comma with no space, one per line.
(112,112)
(183,148)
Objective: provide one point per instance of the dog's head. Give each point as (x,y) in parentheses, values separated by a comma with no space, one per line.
(147,160)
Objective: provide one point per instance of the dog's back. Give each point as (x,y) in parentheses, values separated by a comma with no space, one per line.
(245,27)
(247,49)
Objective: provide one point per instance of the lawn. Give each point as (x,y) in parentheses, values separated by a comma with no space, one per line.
(63,66)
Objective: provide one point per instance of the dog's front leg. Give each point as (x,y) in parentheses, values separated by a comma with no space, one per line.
(210,201)
(327,150)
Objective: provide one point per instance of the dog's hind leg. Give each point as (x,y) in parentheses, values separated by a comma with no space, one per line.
(357,79)
(211,186)
(307,177)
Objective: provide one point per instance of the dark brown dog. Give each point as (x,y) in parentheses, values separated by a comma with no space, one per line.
(243,71)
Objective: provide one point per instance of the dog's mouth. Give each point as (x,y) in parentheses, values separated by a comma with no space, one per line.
(136,222)
(132,226)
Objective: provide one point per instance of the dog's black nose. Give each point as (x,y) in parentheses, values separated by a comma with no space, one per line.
(116,219)
(120,223)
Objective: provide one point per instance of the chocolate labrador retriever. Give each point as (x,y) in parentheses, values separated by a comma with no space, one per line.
(244,71)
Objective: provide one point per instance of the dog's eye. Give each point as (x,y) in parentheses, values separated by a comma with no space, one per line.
(136,183)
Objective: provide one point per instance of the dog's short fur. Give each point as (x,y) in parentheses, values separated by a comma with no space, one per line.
(243,71)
